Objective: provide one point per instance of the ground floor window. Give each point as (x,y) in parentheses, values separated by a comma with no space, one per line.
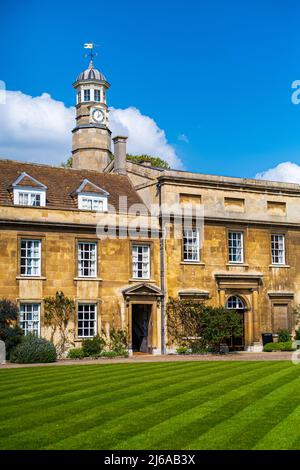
(30,318)
(87,320)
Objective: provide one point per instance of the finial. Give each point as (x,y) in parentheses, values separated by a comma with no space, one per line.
(92,54)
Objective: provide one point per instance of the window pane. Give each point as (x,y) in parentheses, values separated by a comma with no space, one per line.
(235,247)
(87,95)
(30,318)
(87,320)
(278,249)
(141,261)
(191,245)
(30,258)
(87,259)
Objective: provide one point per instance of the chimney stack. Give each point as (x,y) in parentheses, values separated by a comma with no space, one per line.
(120,154)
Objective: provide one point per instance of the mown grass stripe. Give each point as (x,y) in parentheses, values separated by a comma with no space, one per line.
(132,397)
(181,429)
(247,426)
(133,420)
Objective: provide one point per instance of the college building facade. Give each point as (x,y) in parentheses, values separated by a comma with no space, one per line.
(74,230)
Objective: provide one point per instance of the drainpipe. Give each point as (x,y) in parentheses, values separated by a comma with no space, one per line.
(162,272)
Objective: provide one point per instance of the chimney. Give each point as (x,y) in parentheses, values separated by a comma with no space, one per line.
(120,154)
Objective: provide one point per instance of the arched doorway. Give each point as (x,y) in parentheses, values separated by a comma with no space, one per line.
(237,343)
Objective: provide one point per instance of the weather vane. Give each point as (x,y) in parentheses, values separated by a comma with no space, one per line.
(90,46)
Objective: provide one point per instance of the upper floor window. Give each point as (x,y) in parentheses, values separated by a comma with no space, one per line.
(191,245)
(30,257)
(97,95)
(235,247)
(30,318)
(91,203)
(278,249)
(87,259)
(87,95)
(87,320)
(29,198)
(141,261)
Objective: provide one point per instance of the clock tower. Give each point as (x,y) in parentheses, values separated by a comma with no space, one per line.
(91,143)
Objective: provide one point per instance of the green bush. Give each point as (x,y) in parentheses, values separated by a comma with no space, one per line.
(198,347)
(284,346)
(118,340)
(76,353)
(297,335)
(93,346)
(10,332)
(109,354)
(283,336)
(182,350)
(33,350)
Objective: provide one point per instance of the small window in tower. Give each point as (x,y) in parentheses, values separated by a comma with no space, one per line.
(78,97)
(97,95)
(104,96)
(87,95)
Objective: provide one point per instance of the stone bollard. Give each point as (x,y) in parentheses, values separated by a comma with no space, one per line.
(2,352)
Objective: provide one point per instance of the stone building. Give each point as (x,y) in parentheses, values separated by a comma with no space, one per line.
(74,230)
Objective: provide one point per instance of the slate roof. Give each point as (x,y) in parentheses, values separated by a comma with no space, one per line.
(62,184)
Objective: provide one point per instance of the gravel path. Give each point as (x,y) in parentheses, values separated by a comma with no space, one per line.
(240,356)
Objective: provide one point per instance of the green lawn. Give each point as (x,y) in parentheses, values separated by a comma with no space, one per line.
(171,405)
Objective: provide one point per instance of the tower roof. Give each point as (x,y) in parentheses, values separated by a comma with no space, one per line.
(91,74)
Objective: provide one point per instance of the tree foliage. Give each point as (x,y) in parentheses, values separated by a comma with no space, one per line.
(191,320)
(59,310)
(10,332)
(155,161)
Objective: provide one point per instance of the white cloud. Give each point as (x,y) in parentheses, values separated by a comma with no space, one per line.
(287,172)
(144,135)
(39,129)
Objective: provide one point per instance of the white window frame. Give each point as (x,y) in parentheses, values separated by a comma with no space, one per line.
(91,264)
(237,248)
(83,326)
(34,324)
(142,251)
(97,90)
(31,193)
(275,252)
(37,255)
(89,91)
(83,197)
(191,248)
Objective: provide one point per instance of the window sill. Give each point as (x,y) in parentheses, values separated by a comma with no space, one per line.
(141,279)
(88,279)
(193,263)
(245,265)
(279,266)
(33,278)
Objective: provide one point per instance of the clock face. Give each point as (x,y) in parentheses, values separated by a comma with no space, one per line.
(97,115)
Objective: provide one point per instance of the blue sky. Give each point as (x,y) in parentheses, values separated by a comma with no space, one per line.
(218,72)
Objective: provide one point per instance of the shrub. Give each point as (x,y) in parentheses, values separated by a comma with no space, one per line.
(10,332)
(284,346)
(182,350)
(76,353)
(283,336)
(93,346)
(297,335)
(33,349)
(198,347)
(109,354)
(118,340)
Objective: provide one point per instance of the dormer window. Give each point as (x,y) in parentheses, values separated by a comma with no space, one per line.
(87,95)
(92,197)
(97,95)
(28,198)
(27,191)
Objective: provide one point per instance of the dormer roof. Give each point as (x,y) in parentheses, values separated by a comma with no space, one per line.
(26,180)
(88,187)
